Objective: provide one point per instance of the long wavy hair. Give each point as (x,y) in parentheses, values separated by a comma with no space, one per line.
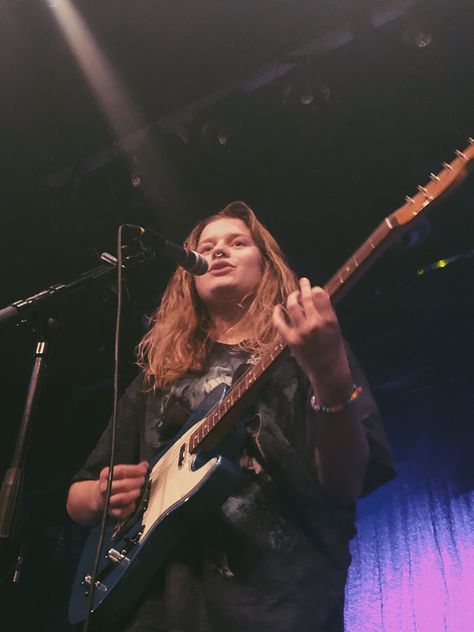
(180,337)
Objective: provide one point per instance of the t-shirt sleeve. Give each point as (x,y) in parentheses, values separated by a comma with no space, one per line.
(127,435)
(381,466)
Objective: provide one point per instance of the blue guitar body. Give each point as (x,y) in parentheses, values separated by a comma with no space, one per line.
(181,489)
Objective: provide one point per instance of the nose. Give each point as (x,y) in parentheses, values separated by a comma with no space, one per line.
(220,251)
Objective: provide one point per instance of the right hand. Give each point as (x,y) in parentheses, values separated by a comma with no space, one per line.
(126,489)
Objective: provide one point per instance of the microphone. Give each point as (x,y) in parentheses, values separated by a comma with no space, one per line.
(188,259)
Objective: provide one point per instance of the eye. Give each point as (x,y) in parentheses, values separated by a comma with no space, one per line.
(204,249)
(238,242)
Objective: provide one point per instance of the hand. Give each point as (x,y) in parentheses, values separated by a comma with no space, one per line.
(126,489)
(314,337)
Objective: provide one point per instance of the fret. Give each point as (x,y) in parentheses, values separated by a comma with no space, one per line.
(214,418)
(193,442)
(412,206)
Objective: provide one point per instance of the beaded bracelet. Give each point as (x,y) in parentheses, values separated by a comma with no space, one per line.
(336,408)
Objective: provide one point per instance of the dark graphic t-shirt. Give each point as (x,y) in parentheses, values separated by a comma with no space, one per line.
(275,555)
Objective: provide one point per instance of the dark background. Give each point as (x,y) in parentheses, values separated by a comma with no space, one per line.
(240,101)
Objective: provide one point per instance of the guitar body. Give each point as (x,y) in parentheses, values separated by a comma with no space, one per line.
(182,488)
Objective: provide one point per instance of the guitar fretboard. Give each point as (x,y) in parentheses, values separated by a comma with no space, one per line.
(352,269)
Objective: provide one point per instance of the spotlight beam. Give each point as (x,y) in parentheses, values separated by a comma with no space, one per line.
(121,113)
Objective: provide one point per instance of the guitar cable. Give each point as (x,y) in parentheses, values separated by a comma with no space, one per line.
(103,523)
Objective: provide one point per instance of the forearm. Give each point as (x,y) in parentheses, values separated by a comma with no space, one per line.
(83,502)
(340,450)
(338,440)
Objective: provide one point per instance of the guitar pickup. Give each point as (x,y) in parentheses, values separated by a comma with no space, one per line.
(116,557)
(182,454)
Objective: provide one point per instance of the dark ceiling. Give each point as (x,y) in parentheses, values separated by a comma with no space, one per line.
(322,115)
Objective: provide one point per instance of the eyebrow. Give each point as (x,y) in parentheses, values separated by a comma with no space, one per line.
(227,236)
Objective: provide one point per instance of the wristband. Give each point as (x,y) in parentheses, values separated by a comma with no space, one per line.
(336,408)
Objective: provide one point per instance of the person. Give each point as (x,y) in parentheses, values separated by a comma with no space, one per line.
(275,555)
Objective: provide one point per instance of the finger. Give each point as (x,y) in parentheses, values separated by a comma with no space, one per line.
(321,299)
(280,323)
(129,471)
(124,499)
(325,309)
(123,485)
(120,513)
(307,301)
(124,471)
(295,309)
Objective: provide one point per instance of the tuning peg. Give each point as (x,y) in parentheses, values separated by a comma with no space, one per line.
(471,140)
(446,165)
(435,177)
(459,154)
(425,192)
(409,199)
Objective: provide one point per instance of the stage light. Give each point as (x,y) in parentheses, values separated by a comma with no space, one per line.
(417,37)
(420,26)
(306,87)
(423,39)
(442,263)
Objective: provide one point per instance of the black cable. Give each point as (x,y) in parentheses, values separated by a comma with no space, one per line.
(103,524)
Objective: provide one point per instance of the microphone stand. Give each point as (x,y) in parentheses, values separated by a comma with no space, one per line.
(20,312)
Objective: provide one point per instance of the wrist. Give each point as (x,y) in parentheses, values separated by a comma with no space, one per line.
(321,406)
(332,387)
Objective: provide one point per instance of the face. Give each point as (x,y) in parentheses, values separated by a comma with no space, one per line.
(235,262)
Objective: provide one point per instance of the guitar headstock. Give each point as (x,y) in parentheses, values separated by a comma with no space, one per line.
(437,185)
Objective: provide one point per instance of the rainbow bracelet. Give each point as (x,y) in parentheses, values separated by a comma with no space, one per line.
(336,408)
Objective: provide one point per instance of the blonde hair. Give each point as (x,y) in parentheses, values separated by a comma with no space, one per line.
(179,340)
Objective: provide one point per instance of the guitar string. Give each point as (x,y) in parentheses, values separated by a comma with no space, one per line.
(174,452)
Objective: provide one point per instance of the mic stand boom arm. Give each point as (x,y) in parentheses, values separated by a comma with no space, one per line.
(20,311)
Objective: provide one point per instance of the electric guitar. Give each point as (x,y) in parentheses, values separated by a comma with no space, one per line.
(193,475)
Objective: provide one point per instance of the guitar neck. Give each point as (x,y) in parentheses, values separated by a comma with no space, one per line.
(362,259)
(224,415)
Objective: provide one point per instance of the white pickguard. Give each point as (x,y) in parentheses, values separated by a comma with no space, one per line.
(171,483)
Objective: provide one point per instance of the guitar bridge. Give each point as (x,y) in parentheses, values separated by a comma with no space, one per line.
(117,557)
(98,585)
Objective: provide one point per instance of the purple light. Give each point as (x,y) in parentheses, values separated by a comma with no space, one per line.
(413,563)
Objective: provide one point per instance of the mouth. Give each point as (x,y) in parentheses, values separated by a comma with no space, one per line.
(221,268)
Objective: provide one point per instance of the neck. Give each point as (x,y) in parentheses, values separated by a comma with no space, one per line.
(229,322)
